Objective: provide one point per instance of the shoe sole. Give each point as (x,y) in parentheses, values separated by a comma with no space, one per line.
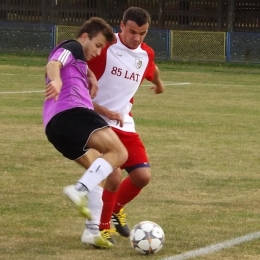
(99,243)
(82,209)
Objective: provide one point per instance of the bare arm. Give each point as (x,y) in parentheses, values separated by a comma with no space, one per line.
(159,87)
(93,85)
(53,73)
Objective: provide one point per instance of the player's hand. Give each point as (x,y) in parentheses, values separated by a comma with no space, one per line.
(158,89)
(115,116)
(53,90)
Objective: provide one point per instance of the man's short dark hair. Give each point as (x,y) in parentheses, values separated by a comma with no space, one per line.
(137,15)
(95,25)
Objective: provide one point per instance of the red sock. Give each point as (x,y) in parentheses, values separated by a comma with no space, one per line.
(127,191)
(109,199)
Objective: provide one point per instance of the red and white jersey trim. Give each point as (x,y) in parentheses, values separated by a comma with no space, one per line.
(119,72)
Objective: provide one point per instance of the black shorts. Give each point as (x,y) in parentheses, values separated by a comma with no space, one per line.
(70,130)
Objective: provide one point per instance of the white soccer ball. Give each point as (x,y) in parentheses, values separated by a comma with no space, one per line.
(147,237)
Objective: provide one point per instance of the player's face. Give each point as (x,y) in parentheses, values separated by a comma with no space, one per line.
(92,48)
(132,34)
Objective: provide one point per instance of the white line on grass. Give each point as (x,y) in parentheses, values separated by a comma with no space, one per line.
(170,84)
(29,75)
(36,91)
(39,75)
(21,92)
(215,247)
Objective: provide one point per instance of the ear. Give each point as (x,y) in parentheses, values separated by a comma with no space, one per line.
(122,26)
(84,36)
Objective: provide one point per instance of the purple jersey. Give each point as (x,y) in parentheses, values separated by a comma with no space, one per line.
(74,91)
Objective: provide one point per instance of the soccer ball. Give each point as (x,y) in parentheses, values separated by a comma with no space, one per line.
(147,237)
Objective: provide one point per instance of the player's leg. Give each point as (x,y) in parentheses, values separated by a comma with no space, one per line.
(113,153)
(100,240)
(95,202)
(130,187)
(95,205)
(114,207)
(73,133)
(109,197)
(91,234)
(139,175)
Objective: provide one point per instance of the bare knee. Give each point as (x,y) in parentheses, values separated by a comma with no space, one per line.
(119,150)
(140,177)
(120,153)
(109,145)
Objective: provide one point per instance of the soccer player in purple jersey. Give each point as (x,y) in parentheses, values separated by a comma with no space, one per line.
(70,122)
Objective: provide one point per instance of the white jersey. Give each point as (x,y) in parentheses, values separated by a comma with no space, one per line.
(120,71)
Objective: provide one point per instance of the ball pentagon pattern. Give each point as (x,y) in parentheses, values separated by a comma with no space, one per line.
(147,237)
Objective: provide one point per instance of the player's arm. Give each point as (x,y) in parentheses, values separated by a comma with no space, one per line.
(53,74)
(157,81)
(108,113)
(93,85)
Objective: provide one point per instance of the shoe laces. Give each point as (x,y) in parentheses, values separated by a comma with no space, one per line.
(106,233)
(121,216)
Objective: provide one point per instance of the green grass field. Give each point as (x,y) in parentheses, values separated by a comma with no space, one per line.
(203,142)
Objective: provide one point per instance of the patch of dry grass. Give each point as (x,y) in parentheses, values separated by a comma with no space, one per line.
(203,144)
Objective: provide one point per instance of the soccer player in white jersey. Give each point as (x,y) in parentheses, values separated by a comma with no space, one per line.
(120,69)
